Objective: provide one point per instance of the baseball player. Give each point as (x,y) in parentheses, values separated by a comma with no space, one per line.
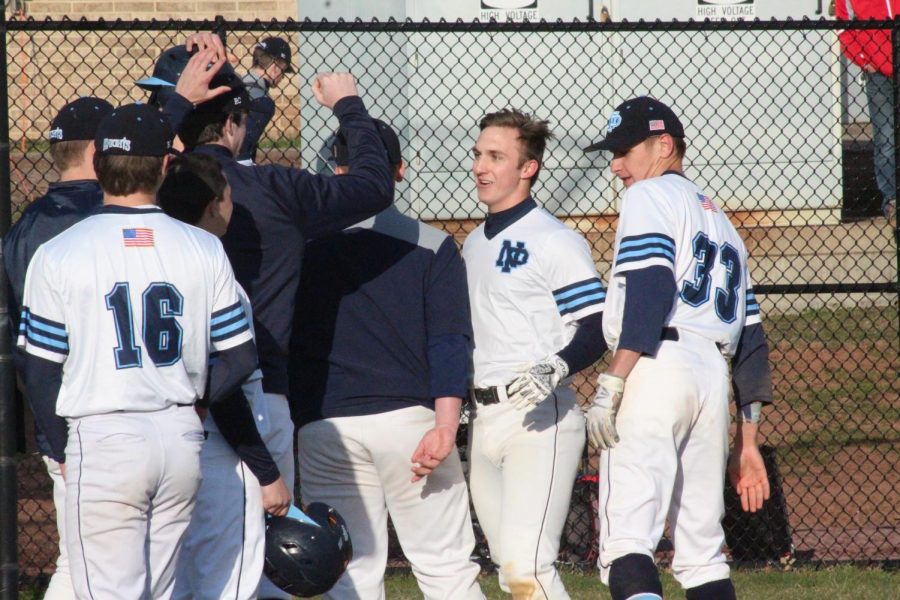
(680,306)
(119,316)
(224,545)
(537,303)
(73,197)
(271,62)
(275,209)
(379,368)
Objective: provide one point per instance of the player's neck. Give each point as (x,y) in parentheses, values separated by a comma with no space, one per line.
(131,200)
(509,202)
(79,172)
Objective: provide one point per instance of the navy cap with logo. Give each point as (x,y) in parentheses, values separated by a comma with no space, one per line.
(388,138)
(78,120)
(237,99)
(277,48)
(634,121)
(134,130)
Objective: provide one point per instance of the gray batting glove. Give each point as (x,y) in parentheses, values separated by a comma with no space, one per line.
(601,416)
(537,382)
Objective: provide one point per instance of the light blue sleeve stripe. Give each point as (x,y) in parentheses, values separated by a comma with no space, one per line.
(48,341)
(48,328)
(227,316)
(580,301)
(228,328)
(646,251)
(656,241)
(594,285)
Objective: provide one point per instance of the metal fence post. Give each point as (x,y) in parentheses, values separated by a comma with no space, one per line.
(895,51)
(9,566)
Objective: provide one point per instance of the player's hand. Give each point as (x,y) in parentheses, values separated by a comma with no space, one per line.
(537,382)
(276,498)
(601,416)
(194,81)
(747,473)
(435,446)
(205,40)
(329,88)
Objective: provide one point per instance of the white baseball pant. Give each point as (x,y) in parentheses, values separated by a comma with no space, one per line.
(522,468)
(60,587)
(670,461)
(224,547)
(361,466)
(131,480)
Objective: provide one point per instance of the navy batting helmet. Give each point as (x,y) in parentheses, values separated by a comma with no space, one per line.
(307,554)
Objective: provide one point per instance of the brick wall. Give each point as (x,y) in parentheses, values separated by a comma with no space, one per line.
(247,10)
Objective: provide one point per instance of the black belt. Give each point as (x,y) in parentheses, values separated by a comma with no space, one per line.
(669,334)
(489,395)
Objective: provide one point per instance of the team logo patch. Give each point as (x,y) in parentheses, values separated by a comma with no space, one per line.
(137,237)
(512,256)
(657,125)
(122,144)
(707,203)
(56,134)
(615,120)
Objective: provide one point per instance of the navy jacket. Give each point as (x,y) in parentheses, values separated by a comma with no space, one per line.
(382,321)
(64,204)
(276,208)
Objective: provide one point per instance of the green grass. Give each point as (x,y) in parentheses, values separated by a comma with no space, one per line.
(834,583)
(837,583)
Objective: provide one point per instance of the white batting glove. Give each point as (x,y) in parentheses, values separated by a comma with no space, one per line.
(601,416)
(537,382)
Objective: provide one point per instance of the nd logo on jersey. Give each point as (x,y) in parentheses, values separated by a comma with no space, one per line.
(512,256)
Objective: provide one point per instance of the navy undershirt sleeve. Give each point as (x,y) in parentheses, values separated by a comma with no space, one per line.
(227,373)
(750,372)
(261,112)
(449,357)
(588,344)
(649,294)
(234,418)
(448,322)
(43,379)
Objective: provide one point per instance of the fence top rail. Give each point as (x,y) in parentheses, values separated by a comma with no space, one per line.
(458,26)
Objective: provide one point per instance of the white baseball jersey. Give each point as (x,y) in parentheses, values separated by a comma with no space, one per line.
(131,301)
(669,221)
(527,286)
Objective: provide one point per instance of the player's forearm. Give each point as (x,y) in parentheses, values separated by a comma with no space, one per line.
(232,368)
(235,421)
(623,361)
(750,369)
(446,412)
(587,346)
(746,433)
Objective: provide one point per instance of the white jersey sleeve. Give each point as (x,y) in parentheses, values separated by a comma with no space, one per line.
(646,235)
(571,274)
(229,322)
(42,329)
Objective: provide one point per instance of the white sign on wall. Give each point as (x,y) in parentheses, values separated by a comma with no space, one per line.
(508,10)
(731,10)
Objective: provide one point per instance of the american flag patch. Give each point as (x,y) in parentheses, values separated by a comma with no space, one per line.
(137,237)
(706,203)
(657,125)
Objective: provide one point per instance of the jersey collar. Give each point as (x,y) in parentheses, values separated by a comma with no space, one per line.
(674,172)
(497,222)
(112,209)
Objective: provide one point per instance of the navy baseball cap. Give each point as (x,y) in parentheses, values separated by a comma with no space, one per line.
(277,48)
(134,130)
(236,99)
(388,138)
(634,121)
(78,120)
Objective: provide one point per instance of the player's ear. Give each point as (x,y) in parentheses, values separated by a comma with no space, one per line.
(400,171)
(529,169)
(666,145)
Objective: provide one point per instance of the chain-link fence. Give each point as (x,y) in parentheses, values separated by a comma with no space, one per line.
(779,129)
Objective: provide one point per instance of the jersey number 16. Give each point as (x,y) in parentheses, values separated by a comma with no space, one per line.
(162,302)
